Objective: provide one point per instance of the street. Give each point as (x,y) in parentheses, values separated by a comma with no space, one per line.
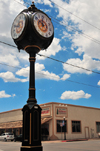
(90,145)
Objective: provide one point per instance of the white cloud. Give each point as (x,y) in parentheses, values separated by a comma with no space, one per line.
(74,95)
(87,63)
(46,2)
(4,95)
(52,49)
(66,35)
(41,73)
(39,67)
(10,77)
(23,72)
(65,76)
(9,59)
(13,95)
(98,83)
(47,75)
(9,9)
(88,11)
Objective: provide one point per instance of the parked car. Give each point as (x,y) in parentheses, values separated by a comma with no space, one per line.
(18,138)
(7,136)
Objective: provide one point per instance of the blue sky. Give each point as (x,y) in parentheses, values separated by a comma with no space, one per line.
(76,42)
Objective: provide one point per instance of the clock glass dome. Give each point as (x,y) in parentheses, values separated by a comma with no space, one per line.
(18,26)
(43,24)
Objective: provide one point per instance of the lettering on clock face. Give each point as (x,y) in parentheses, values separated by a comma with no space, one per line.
(18,26)
(43,25)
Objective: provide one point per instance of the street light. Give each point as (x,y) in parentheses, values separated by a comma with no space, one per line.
(64,129)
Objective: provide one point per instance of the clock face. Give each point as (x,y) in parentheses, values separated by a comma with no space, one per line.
(43,25)
(18,26)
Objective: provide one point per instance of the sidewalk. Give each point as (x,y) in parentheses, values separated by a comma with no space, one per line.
(70,140)
(57,141)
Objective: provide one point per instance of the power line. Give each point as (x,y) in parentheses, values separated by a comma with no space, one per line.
(83,83)
(54,77)
(74,81)
(74,15)
(20,3)
(69,64)
(10,65)
(79,32)
(54,60)
(66,11)
(8,44)
(57,60)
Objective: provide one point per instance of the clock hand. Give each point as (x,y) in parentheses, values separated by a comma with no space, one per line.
(42,22)
(19,24)
(16,25)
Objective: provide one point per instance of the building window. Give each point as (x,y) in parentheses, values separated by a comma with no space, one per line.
(98,126)
(61,126)
(76,126)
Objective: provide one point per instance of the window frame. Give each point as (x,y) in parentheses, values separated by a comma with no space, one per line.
(76,128)
(97,128)
(66,126)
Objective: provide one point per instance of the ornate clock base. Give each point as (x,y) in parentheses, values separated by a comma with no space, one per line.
(31,128)
(31,148)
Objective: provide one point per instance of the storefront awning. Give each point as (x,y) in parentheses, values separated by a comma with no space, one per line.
(44,120)
(18,124)
(7,125)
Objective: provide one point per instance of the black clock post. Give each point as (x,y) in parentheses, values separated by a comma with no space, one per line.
(32,31)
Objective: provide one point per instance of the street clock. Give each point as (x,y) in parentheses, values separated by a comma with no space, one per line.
(32,27)
(32,31)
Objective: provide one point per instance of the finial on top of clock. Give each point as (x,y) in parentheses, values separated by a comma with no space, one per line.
(32,4)
(32,7)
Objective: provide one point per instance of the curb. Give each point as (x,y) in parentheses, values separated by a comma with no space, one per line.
(75,140)
(70,140)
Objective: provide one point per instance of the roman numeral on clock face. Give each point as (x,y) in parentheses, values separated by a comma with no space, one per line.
(43,25)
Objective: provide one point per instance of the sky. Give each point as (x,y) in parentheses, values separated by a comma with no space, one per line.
(75,77)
